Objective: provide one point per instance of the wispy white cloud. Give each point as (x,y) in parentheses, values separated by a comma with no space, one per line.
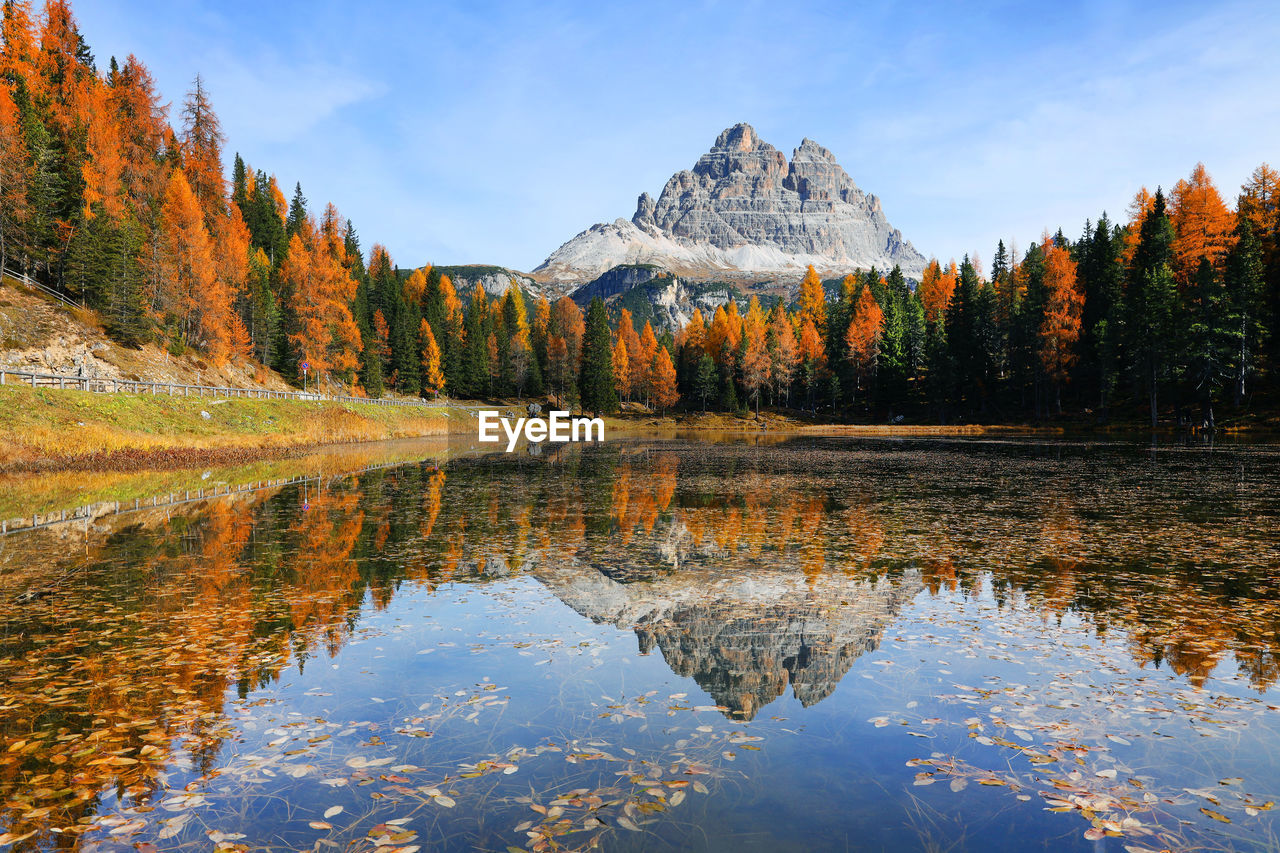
(272,100)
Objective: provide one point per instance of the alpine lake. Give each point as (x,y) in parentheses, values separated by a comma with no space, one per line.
(650,644)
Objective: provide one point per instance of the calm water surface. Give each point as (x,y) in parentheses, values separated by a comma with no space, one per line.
(816,644)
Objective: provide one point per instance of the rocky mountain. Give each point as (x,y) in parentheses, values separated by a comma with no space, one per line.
(744,211)
(494,280)
(655,295)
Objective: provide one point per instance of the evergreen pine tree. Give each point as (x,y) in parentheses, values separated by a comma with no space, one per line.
(297,211)
(595,382)
(704,382)
(891,372)
(1024,328)
(475,357)
(1152,296)
(1245,288)
(1101,277)
(1211,336)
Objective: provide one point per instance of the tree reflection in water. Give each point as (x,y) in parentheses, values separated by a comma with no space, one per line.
(750,570)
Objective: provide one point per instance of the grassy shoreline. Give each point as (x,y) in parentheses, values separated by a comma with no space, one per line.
(26,493)
(48,430)
(55,430)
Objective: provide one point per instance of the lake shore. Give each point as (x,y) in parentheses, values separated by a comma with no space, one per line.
(791,422)
(46,430)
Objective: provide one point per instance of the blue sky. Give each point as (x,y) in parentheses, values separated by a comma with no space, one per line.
(482,132)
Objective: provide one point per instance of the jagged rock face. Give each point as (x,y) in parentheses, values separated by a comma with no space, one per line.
(615,281)
(744,208)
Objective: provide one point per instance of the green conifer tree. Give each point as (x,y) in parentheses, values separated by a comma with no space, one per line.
(595,382)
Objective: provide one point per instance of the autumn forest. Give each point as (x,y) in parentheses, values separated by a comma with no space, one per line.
(123,203)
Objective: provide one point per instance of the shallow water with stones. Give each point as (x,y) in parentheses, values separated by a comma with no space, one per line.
(661,644)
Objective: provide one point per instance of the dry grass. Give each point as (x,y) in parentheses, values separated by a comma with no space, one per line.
(50,429)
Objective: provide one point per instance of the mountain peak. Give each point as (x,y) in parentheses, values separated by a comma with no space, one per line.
(745,209)
(740,137)
(810,150)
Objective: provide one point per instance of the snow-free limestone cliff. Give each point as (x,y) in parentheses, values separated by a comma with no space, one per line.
(745,210)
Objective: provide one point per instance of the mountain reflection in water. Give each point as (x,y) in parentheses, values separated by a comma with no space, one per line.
(750,570)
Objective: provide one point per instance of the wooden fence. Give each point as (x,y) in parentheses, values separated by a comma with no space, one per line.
(106,385)
(28,281)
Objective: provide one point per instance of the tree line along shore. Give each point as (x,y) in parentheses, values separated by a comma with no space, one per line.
(1168,315)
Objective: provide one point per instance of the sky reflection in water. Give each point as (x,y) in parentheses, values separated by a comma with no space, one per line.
(816,644)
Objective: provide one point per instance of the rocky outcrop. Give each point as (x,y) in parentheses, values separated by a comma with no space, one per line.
(663,299)
(496,280)
(617,281)
(745,209)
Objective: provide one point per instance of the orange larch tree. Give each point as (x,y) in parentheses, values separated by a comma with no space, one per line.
(277,197)
(648,344)
(621,368)
(756,365)
(382,332)
(718,336)
(202,150)
(103,168)
(813,299)
(326,336)
(142,121)
(558,367)
(813,357)
(541,324)
(414,286)
(1260,200)
(663,381)
(636,374)
(232,247)
(62,78)
(936,287)
(1202,223)
(495,364)
(1060,328)
(310,339)
(571,327)
(185,281)
(432,372)
(862,338)
(694,333)
(18,42)
(786,355)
